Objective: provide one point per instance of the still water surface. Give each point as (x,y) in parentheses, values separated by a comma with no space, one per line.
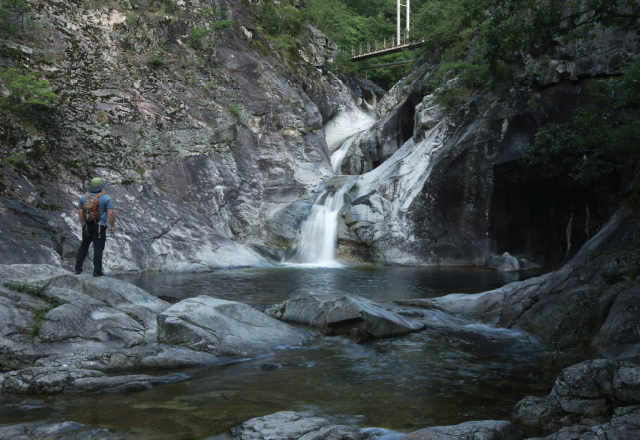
(457,372)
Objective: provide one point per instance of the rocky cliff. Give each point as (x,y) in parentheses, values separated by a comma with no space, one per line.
(202,145)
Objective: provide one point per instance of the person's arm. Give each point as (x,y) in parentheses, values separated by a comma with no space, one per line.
(112,220)
(81,216)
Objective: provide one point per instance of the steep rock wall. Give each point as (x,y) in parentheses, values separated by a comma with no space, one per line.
(454,193)
(201,149)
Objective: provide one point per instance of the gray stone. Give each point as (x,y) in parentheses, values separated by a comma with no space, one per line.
(37,430)
(624,425)
(583,393)
(336,314)
(224,328)
(480,430)
(508,263)
(42,380)
(289,425)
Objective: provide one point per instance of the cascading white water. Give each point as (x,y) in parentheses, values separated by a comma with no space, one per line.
(338,156)
(319,231)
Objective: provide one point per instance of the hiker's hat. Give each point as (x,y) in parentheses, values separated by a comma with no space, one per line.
(97,185)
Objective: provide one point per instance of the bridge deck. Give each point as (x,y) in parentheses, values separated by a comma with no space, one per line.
(387,50)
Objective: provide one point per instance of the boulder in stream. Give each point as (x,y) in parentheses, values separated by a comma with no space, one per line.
(508,263)
(477,430)
(336,314)
(289,425)
(224,328)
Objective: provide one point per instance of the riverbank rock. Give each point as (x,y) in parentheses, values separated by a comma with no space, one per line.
(624,425)
(336,314)
(224,328)
(42,429)
(508,263)
(584,394)
(42,380)
(289,425)
(480,430)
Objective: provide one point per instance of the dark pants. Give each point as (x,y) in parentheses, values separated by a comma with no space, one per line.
(97,235)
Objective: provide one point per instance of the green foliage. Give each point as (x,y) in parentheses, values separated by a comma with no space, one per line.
(156,59)
(237,111)
(524,25)
(201,38)
(15,158)
(31,288)
(601,138)
(26,91)
(281,19)
(14,17)
(259,46)
(443,22)
(455,80)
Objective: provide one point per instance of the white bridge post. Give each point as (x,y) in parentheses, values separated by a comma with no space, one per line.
(398,25)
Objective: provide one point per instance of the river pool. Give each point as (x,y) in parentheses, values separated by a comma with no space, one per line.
(455,372)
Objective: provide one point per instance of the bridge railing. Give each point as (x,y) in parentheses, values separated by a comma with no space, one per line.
(382,44)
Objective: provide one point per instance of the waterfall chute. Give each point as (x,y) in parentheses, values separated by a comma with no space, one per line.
(319,232)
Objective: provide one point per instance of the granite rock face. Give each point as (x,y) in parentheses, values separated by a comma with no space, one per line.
(336,314)
(583,394)
(224,328)
(63,332)
(200,151)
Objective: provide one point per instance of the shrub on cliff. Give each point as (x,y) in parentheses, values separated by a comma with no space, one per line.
(601,138)
(25,91)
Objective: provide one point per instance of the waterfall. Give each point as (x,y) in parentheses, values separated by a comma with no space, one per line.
(338,156)
(319,232)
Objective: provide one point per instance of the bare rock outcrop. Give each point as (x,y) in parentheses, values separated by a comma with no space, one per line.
(336,314)
(224,328)
(583,394)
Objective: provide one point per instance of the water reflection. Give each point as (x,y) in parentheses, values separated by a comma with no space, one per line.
(379,283)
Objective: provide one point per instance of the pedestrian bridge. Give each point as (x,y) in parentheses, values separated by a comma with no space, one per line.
(384,47)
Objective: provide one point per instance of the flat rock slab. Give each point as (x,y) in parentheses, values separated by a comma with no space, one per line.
(43,380)
(224,328)
(481,430)
(42,429)
(289,425)
(337,314)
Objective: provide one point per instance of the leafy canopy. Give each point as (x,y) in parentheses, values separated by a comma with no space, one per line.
(601,138)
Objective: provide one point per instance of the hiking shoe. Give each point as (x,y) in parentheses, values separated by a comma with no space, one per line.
(97,274)
(78,272)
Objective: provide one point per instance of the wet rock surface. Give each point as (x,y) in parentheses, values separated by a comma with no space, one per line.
(224,328)
(583,394)
(624,425)
(336,314)
(481,430)
(289,425)
(43,380)
(63,332)
(508,263)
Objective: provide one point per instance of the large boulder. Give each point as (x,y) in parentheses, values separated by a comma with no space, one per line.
(224,328)
(508,263)
(41,380)
(289,425)
(624,425)
(336,314)
(584,393)
(480,430)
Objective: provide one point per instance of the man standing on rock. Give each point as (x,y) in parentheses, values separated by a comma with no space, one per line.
(94,209)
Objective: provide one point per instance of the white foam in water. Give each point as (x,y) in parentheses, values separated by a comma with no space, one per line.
(338,156)
(381,434)
(319,232)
